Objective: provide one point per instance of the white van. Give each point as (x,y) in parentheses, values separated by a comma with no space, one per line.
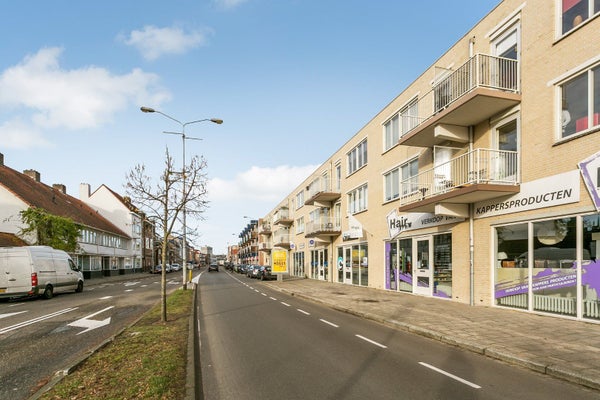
(37,270)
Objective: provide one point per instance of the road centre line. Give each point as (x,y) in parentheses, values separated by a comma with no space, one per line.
(448,374)
(257,291)
(33,321)
(303,312)
(371,341)
(273,298)
(285,304)
(264,294)
(329,323)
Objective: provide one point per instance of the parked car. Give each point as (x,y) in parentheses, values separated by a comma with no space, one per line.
(255,271)
(249,270)
(156,269)
(213,267)
(37,271)
(168,268)
(175,267)
(264,273)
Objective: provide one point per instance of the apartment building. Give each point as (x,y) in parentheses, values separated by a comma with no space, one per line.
(478,183)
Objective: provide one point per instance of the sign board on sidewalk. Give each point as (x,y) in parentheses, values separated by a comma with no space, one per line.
(279,258)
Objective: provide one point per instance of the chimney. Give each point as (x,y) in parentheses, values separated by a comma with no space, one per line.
(84,191)
(60,187)
(33,174)
(1,159)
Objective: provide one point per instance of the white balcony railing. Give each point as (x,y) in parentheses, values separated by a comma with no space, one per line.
(474,167)
(323,225)
(480,71)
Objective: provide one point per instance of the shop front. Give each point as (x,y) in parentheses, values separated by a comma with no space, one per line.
(353,264)
(419,263)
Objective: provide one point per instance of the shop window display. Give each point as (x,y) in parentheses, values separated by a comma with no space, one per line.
(511,273)
(590,267)
(554,266)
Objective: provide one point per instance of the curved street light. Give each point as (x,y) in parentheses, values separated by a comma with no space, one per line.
(183,139)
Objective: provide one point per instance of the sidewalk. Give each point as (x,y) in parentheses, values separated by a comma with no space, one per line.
(555,346)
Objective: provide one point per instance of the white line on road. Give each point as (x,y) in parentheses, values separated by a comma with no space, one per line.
(450,375)
(273,298)
(105,298)
(11,314)
(257,291)
(303,312)
(371,341)
(285,304)
(33,321)
(264,294)
(329,323)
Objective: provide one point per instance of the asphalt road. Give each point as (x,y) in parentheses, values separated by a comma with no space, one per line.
(257,343)
(39,338)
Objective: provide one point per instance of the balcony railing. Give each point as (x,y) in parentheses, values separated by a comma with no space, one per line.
(481,87)
(480,166)
(320,190)
(323,226)
(281,239)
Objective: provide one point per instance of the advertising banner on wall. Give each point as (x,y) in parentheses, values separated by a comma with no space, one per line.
(412,221)
(590,171)
(280,264)
(546,192)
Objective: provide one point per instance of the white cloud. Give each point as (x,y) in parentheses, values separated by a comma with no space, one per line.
(17,135)
(229,4)
(42,95)
(155,42)
(262,184)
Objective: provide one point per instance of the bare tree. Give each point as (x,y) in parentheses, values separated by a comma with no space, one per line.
(165,199)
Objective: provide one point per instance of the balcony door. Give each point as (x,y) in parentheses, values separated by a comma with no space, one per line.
(505,161)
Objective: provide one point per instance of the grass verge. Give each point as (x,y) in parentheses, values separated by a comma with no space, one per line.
(146,361)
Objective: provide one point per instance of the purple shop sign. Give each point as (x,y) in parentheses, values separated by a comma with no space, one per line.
(548,279)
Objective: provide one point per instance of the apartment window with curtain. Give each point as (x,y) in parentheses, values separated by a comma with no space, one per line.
(574,12)
(357,157)
(392,184)
(358,199)
(299,199)
(400,124)
(580,102)
(410,171)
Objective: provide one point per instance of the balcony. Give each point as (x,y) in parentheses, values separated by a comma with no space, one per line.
(282,217)
(281,240)
(264,229)
(475,176)
(321,193)
(323,227)
(265,246)
(480,88)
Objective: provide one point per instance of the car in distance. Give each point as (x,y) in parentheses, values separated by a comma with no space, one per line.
(175,267)
(265,273)
(213,267)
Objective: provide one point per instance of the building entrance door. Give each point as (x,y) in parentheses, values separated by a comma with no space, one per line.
(423,271)
(322,265)
(348,265)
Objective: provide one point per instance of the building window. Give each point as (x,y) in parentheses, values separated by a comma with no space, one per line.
(574,12)
(299,199)
(400,124)
(358,199)
(410,171)
(357,157)
(392,184)
(338,177)
(580,101)
(300,225)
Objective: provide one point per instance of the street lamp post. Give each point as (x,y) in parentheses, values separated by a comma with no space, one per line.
(183,138)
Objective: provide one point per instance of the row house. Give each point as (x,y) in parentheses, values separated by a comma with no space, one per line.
(479,183)
(103,248)
(129,219)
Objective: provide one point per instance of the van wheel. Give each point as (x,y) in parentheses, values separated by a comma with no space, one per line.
(48,292)
(79,287)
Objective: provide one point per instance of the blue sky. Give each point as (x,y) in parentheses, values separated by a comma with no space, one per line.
(292,79)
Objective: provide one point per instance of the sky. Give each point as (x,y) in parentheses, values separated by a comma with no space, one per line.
(293,80)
